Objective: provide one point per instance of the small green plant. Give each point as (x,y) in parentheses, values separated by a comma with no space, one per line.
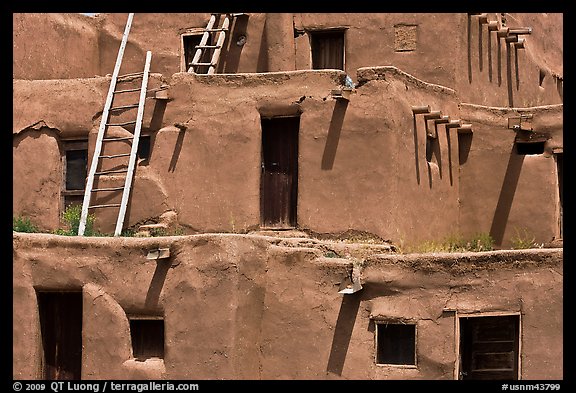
(71,218)
(331,254)
(523,239)
(23,224)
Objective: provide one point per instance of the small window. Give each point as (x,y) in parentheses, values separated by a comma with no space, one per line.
(327,49)
(189,43)
(530,148)
(144,147)
(395,344)
(75,166)
(147,335)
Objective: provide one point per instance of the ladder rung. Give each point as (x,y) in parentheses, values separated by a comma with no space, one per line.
(207,46)
(218,29)
(201,64)
(112,171)
(123,107)
(131,74)
(116,155)
(121,124)
(124,138)
(100,206)
(107,189)
(126,90)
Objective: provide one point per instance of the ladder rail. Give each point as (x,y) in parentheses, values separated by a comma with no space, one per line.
(105,113)
(134,150)
(203,42)
(219,44)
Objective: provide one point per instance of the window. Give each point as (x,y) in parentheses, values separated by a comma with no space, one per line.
(189,43)
(327,49)
(144,147)
(530,148)
(75,172)
(489,347)
(147,335)
(395,343)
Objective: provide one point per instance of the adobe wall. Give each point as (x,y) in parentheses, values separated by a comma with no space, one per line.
(253,307)
(439,52)
(338,167)
(501,192)
(55,46)
(208,170)
(516,82)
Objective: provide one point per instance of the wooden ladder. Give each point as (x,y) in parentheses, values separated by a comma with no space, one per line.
(98,158)
(205,46)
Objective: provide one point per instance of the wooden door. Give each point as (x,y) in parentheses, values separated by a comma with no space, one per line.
(61,330)
(279,178)
(489,347)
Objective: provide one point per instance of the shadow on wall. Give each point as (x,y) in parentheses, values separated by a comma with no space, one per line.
(343,333)
(177,149)
(506,197)
(347,319)
(157,283)
(262,65)
(235,44)
(333,136)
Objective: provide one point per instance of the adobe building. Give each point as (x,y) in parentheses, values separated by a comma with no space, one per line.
(319,147)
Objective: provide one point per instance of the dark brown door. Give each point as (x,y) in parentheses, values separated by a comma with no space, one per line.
(279,183)
(61,329)
(489,347)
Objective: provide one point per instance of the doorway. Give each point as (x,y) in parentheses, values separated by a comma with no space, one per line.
(279,176)
(489,347)
(61,331)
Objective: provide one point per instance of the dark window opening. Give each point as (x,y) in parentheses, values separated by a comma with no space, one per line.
(530,148)
(147,338)
(61,330)
(327,49)
(189,43)
(144,147)
(395,344)
(76,169)
(489,347)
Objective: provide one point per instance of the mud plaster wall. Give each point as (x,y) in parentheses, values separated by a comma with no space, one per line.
(520,84)
(46,112)
(370,41)
(509,195)
(360,151)
(54,46)
(248,307)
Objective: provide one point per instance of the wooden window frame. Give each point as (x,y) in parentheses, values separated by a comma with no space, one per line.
(327,30)
(69,145)
(136,318)
(459,315)
(199,31)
